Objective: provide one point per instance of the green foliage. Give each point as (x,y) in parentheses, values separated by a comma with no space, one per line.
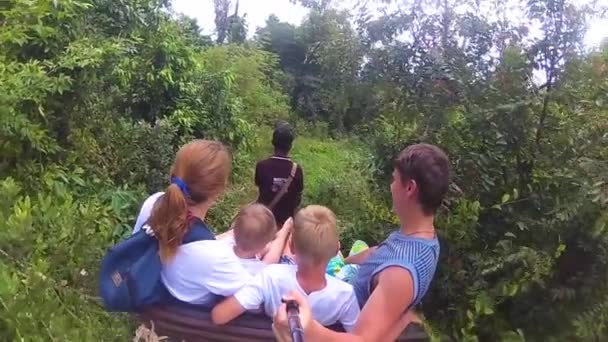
(102,151)
(322,58)
(338,174)
(523,228)
(255,81)
(96,96)
(50,246)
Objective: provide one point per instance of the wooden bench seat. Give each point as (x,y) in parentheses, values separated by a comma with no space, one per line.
(193,323)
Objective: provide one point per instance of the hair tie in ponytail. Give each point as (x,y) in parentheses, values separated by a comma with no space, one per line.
(181,185)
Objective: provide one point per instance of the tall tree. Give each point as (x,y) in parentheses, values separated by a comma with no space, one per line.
(323,57)
(222,24)
(563,28)
(317,5)
(237,27)
(231,28)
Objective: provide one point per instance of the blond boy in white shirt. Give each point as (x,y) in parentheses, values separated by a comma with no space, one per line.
(204,270)
(315,241)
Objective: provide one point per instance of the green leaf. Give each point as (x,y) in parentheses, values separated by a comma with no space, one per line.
(512,290)
(560,249)
(599,225)
(505,198)
(41,111)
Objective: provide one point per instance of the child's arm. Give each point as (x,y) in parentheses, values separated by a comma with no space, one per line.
(360,258)
(249,297)
(275,248)
(350,313)
(226,311)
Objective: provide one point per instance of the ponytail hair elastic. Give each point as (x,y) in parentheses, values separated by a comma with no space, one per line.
(181,185)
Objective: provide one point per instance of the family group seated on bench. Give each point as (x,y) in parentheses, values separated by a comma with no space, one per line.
(254,265)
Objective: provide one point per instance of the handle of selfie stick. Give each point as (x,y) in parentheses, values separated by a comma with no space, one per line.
(293,318)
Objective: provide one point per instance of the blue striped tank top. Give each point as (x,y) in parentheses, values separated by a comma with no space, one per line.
(418,256)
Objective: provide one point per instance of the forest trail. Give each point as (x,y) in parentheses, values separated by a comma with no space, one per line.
(328,164)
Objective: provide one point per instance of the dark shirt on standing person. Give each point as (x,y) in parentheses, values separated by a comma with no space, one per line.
(270,175)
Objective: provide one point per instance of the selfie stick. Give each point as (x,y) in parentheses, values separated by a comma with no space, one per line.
(293,318)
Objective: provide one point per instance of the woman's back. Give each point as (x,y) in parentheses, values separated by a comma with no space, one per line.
(198,177)
(203,270)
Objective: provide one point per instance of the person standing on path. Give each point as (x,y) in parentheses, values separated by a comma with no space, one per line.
(396,275)
(280,180)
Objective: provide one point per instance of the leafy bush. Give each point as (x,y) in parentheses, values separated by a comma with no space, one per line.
(255,81)
(96,96)
(101,150)
(51,244)
(523,229)
(338,174)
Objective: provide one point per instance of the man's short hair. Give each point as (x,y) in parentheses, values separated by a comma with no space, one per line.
(429,167)
(315,235)
(254,227)
(283,136)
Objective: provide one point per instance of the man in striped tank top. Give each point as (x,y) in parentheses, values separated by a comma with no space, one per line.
(394,276)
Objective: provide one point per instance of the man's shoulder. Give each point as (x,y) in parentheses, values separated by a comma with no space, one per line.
(274,159)
(261,163)
(403,254)
(266,165)
(394,274)
(403,246)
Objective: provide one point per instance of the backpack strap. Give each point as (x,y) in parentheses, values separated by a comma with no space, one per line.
(198,231)
(283,191)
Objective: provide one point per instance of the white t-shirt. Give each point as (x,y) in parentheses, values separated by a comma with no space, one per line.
(254,266)
(146,211)
(202,270)
(334,303)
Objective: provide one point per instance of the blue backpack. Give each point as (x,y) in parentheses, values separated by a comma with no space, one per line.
(130,271)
